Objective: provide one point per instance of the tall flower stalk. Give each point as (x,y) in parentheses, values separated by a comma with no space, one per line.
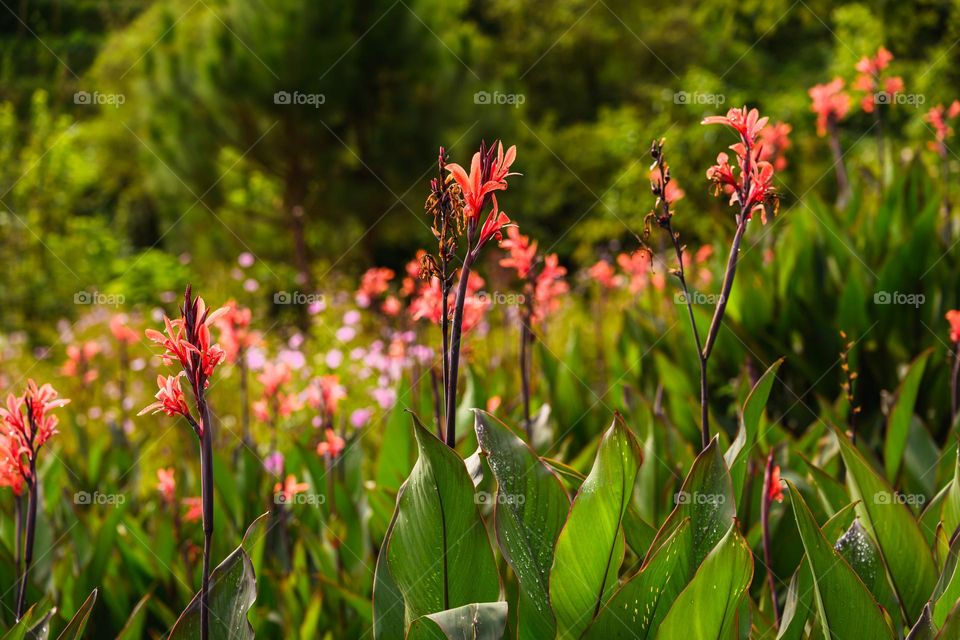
(28,425)
(187,341)
(460,220)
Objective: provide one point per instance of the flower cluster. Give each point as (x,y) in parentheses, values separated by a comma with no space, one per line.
(235,334)
(79,362)
(939,118)
(27,424)
(830,103)
(374,284)
(871,81)
(750,184)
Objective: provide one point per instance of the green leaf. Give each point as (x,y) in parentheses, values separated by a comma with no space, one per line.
(950,511)
(748,433)
(530,510)
(591,545)
(636,610)
(706,497)
(439,553)
(924,629)
(35,623)
(133,629)
(707,607)
(890,522)
(861,553)
(899,423)
(74,630)
(233,590)
(396,449)
(482,621)
(388,606)
(947,591)
(845,606)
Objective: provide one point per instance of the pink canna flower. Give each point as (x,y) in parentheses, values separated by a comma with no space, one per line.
(373,284)
(391,306)
(79,359)
(428,304)
(332,445)
(939,118)
(13,470)
(549,288)
(522,253)
(603,274)
(170,399)
(636,266)
(273,377)
(953,317)
(235,334)
(121,332)
(286,490)
(194,509)
(870,80)
(167,485)
(774,142)
(751,185)
(830,103)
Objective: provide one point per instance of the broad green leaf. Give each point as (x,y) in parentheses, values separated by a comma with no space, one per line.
(636,610)
(861,553)
(845,607)
(396,449)
(74,629)
(480,621)
(747,435)
(439,553)
(890,522)
(133,629)
(388,606)
(947,591)
(591,546)
(924,629)
(950,511)
(707,607)
(899,423)
(706,497)
(35,623)
(530,510)
(233,590)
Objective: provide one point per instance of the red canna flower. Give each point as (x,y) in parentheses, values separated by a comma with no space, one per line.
(29,425)
(78,361)
(289,488)
(751,187)
(487,174)
(870,81)
(170,399)
(373,283)
(493,225)
(13,469)
(549,288)
(332,445)
(776,486)
(636,265)
(830,103)
(189,342)
(953,317)
(167,485)
(235,334)
(429,302)
(939,117)
(522,251)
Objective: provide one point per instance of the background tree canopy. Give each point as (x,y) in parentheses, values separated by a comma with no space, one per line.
(143,142)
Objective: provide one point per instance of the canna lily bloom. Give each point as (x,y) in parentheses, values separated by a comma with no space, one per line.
(775,140)
(493,225)
(938,117)
(13,471)
(273,377)
(776,486)
(429,302)
(235,334)
(286,490)
(487,174)
(324,394)
(194,509)
(830,103)
(78,361)
(332,445)
(604,274)
(522,251)
(121,332)
(636,265)
(28,426)
(953,317)
(170,399)
(549,288)
(870,81)
(373,283)
(391,306)
(752,186)
(167,485)
(191,345)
